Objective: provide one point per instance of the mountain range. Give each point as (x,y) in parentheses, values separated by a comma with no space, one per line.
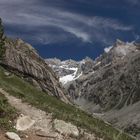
(107,87)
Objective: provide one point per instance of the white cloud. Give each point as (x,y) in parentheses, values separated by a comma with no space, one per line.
(133,2)
(101,22)
(34,16)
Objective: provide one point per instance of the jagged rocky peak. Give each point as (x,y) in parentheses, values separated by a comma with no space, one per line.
(22,59)
(119,42)
(87,65)
(121,48)
(88,59)
(53,61)
(115,53)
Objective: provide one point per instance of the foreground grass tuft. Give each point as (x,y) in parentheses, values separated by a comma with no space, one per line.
(21,89)
(7,114)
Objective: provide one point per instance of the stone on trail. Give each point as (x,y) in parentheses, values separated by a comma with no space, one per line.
(65,128)
(12,136)
(24,123)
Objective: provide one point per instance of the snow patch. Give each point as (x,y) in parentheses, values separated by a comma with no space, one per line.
(71,77)
(108,64)
(98,63)
(67,68)
(108,49)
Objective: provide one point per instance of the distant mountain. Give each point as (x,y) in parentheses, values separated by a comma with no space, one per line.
(108,87)
(70,70)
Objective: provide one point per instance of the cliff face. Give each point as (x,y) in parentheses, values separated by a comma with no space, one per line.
(115,80)
(22,59)
(111,81)
(112,90)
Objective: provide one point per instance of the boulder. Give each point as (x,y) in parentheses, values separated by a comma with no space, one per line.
(66,128)
(24,123)
(6,73)
(12,136)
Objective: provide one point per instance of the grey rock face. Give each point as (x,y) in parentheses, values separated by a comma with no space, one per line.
(22,59)
(113,88)
(114,80)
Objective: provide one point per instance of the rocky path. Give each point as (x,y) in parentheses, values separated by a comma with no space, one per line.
(33,122)
(36,124)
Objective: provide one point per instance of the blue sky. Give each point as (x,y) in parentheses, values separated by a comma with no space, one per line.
(71,28)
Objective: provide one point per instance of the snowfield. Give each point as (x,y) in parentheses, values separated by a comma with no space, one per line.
(71,77)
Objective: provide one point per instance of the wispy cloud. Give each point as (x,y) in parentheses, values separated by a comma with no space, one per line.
(33,16)
(133,2)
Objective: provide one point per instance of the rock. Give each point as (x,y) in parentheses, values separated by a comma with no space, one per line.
(24,123)
(66,128)
(138,137)
(109,85)
(12,136)
(89,136)
(6,73)
(44,134)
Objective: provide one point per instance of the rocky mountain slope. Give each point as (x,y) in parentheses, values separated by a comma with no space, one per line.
(38,116)
(110,86)
(22,59)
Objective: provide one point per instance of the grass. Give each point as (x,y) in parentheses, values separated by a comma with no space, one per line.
(7,114)
(21,89)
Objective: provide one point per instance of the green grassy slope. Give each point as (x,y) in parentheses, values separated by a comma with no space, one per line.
(21,89)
